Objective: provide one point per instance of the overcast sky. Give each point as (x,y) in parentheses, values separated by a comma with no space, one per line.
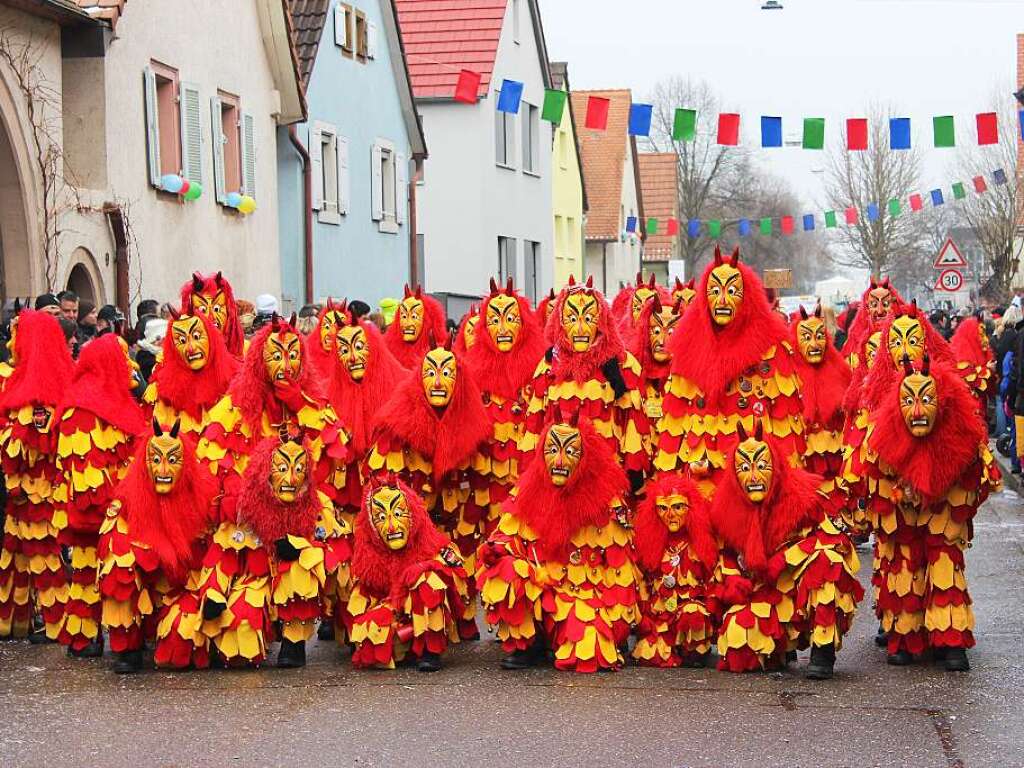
(814,58)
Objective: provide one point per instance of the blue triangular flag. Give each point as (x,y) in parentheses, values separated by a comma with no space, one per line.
(771,131)
(808,222)
(510,95)
(999,176)
(744,227)
(693,228)
(631,223)
(872,211)
(640,119)
(899,133)
(937,197)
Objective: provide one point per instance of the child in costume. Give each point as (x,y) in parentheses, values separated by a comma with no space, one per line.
(409,583)
(150,551)
(99,423)
(558,572)
(419,319)
(677,552)
(271,557)
(788,575)
(212,297)
(33,585)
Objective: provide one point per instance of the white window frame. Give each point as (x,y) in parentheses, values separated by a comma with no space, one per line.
(323,157)
(507,267)
(531,262)
(515,22)
(190,112)
(387,199)
(504,136)
(531,139)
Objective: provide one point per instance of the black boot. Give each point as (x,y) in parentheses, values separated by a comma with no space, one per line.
(696,660)
(325,631)
(955,660)
(791,657)
(525,658)
(429,662)
(128,662)
(93,650)
(39,637)
(292,655)
(823,660)
(900,658)
(881,637)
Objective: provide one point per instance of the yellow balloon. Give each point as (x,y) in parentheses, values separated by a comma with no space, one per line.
(248,204)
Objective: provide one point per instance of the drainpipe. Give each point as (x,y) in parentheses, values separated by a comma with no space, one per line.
(307,183)
(414,255)
(115,217)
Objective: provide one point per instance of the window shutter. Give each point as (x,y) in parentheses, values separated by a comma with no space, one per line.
(316,167)
(376,184)
(191,133)
(401,187)
(340,26)
(371,41)
(248,154)
(220,193)
(344,182)
(152,130)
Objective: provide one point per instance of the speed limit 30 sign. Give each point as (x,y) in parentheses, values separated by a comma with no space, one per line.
(950,280)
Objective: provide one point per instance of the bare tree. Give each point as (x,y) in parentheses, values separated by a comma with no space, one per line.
(874,176)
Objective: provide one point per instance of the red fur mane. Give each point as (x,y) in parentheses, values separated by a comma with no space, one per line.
(862,327)
(192,391)
(101,386)
(823,386)
(411,355)
(270,518)
(506,373)
(651,537)
(582,366)
(234,336)
(460,338)
(966,343)
(639,344)
(43,367)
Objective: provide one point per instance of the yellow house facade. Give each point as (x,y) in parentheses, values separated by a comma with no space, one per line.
(569,203)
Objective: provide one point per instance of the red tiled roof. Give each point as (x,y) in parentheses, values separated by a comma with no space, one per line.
(308,18)
(103,9)
(442,37)
(604,153)
(659,176)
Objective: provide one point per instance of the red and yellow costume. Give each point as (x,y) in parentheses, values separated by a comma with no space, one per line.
(151,550)
(974,359)
(558,572)
(732,364)
(509,344)
(192,375)
(409,589)
(98,426)
(320,341)
(271,558)
(878,303)
(544,307)
(32,578)
(419,318)
(649,344)
(465,337)
(677,552)
(788,575)
(684,291)
(631,300)
(212,297)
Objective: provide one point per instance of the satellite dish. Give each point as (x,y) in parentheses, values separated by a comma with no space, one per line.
(772,5)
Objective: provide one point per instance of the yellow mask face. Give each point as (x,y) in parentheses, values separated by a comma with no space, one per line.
(389,513)
(685,293)
(12,357)
(983,336)
(906,337)
(580,314)
(289,472)
(563,449)
(164,461)
(331,322)
(282,355)
(191,341)
(663,325)
(879,303)
(214,307)
(410,318)
(725,293)
(353,351)
(469,331)
(504,321)
(871,348)
(672,511)
(133,367)
(640,297)
(919,403)
(439,371)
(753,465)
(811,339)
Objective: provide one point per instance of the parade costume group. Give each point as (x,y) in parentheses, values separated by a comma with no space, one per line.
(671,479)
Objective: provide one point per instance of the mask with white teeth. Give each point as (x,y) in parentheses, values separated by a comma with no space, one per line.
(389,513)
(439,370)
(580,314)
(353,350)
(919,400)
(191,341)
(753,467)
(164,460)
(724,293)
(811,339)
(563,449)
(504,322)
(289,472)
(282,355)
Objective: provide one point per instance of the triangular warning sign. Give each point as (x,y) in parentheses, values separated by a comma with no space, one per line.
(949,256)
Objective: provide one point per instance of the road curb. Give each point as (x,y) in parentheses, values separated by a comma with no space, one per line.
(1010,480)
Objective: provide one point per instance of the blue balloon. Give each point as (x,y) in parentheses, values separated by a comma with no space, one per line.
(172,182)
(233,199)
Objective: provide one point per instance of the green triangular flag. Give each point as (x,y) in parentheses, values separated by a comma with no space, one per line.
(958,191)
(685,125)
(714,228)
(894,207)
(766,226)
(652,226)
(945,132)
(830,219)
(554,105)
(814,133)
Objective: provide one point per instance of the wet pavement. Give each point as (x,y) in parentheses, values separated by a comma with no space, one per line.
(58,711)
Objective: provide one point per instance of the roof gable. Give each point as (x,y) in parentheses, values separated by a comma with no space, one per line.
(659,174)
(308,20)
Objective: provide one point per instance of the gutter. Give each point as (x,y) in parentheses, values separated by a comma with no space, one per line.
(307,228)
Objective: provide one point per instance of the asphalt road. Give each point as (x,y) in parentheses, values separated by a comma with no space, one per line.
(55,711)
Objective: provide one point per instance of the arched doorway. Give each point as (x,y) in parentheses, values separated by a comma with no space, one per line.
(83,278)
(15,265)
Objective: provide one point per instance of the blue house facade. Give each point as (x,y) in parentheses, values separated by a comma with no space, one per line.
(346,177)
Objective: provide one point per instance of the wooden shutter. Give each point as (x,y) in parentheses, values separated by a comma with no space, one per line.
(344,181)
(316,166)
(340,26)
(152,126)
(401,187)
(371,40)
(248,138)
(191,133)
(376,183)
(217,141)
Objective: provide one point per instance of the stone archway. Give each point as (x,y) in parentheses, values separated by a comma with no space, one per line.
(84,278)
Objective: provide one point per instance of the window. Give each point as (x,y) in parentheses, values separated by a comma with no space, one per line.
(531,259)
(362,39)
(328,158)
(515,21)
(563,148)
(344,29)
(230,128)
(506,258)
(560,237)
(174,139)
(531,135)
(388,186)
(234,147)
(504,136)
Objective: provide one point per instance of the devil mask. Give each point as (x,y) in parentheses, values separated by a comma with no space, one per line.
(438,372)
(353,350)
(164,458)
(563,449)
(389,512)
(191,341)
(725,292)
(289,472)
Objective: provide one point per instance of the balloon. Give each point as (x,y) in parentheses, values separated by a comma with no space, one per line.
(185,184)
(195,189)
(171,182)
(248,205)
(233,199)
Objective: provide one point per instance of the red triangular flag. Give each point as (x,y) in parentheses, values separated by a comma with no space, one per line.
(787,225)
(468,87)
(979,184)
(851,215)
(673,226)
(597,113)
(988,128)
(915,202)
(729,129)
(857,133)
